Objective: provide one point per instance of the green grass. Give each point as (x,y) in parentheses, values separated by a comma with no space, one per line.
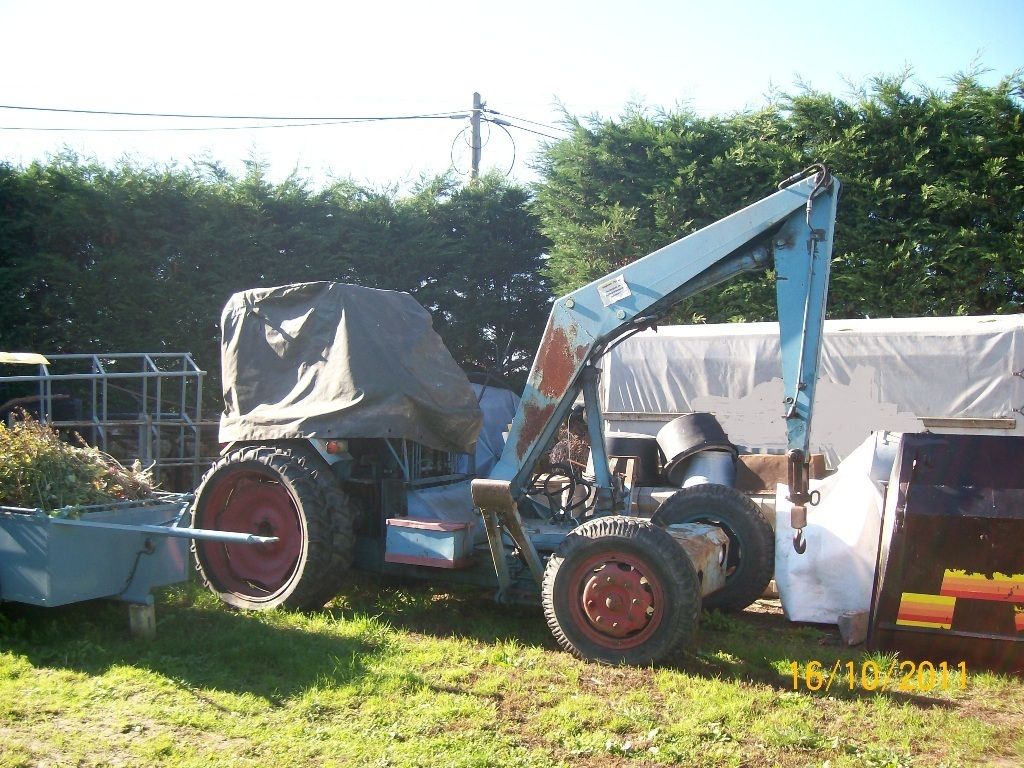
(409,675)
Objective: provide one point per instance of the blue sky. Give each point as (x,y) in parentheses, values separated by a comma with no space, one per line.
(393,58)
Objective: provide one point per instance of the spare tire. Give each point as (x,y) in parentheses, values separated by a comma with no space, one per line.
(751,560)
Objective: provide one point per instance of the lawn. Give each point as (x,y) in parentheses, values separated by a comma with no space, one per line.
(399,674)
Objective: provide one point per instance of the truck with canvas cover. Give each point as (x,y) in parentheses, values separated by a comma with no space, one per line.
(352,435)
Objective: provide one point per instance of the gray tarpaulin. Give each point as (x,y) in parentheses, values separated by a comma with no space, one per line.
(336,360)
(886,374)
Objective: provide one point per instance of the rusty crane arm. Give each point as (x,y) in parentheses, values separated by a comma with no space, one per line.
(791,229)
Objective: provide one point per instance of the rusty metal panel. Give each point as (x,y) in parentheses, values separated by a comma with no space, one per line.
(950,578)
(707,546)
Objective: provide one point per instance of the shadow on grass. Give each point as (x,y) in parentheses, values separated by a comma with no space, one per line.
(204,645)
(200,646)
(441,610)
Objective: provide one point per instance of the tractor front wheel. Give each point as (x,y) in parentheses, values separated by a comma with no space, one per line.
(621,591)
(271,491)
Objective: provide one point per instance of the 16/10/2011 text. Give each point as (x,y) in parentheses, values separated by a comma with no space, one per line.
(905,676)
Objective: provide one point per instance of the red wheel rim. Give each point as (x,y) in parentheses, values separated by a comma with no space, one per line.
(250,501)
(617,601)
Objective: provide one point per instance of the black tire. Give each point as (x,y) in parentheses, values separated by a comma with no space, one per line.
(751,539)
(274,492)
(645,564)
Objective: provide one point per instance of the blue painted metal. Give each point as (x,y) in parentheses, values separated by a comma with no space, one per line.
(121,551)
(228,537)
(583,321)
(605,503)
(794,227)
(422,541)
(803,253)
(44,561)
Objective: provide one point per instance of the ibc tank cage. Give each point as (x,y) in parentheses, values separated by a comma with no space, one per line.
(131,405)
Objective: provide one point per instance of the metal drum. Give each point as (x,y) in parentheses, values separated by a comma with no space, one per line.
(686,435)
(643,448)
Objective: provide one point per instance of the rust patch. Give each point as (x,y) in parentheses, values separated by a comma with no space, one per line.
(535,418)
(557,362)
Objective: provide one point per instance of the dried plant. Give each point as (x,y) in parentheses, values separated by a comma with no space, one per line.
(39,470)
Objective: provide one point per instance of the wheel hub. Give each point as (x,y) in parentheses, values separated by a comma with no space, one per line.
(250,501)
(617,599)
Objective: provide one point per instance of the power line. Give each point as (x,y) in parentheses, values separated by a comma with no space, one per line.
(512,139)
(292,122)
(451,153)
(341,121)
(522,128)
(530,122)
(453,113)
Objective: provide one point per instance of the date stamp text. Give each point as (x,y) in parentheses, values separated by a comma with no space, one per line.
(903,676)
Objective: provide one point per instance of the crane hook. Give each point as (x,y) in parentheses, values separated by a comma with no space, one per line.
(798,541)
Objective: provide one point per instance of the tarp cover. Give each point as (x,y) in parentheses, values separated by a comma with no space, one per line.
(335,360)
(885,374)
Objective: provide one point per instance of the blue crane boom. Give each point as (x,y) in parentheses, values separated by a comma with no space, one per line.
(791,229)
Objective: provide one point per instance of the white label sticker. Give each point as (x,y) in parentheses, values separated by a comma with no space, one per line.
(613,290)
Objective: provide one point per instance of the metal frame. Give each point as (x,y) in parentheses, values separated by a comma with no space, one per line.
(409,456)
(48,559)
(166,388)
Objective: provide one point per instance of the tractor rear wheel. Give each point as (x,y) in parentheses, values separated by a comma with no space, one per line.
(621,591)
(271,491)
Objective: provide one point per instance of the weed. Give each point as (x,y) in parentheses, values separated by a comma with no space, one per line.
(39,470)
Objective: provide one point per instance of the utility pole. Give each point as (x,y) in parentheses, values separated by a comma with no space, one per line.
(474,122)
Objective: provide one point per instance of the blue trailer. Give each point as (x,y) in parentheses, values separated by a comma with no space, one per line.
(121,551)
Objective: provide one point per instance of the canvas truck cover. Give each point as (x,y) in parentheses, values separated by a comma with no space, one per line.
(944,374)
(332,360)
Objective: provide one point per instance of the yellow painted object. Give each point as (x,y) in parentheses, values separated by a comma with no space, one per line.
(28,358)
(932,611)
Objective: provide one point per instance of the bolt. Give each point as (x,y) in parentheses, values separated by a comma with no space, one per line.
(621,314)
(599,619)
(635,601)
(569,303)
(608,579)
(590,603)
(615,625)
(780,243)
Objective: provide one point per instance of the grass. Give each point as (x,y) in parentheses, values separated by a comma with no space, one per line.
(400,675)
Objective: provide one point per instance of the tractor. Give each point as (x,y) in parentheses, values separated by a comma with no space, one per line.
(353,439)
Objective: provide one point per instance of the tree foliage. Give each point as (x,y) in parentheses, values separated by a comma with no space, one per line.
(131,257)
(931,221)
(135,258)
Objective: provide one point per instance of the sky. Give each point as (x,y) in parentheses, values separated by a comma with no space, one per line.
(529,60)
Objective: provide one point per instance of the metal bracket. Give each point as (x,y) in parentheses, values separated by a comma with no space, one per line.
(494,499)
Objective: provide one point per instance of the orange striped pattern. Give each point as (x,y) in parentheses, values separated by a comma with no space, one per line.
(977,586)
(933,611)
